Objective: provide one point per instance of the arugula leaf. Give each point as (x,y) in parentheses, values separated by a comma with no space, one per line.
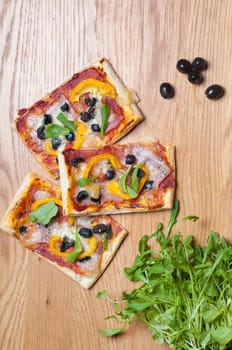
(70,125)
(44,213)
(85,181)
(72,257)
(185,292)
(53,130)
(105,113)
(122,181)
(174,213)
(104,241)
(110,332)
(132,190)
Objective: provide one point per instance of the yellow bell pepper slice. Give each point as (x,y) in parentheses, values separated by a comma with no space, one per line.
(92,242)
(114,161)
(39,202)
(80,135)
(52,246)
(48,148)
(94,86)
(114,187)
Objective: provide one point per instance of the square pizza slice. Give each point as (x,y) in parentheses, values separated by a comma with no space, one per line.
(92,109)
(118,179)
(81,247)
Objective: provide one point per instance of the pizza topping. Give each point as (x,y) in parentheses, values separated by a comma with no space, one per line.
(84,181)
(82,195)
(54,130)
(70,125)
(105,113)
(130,159)
(110,174)
(47,119)
(66,244)
(53,246)
(70,137)
(41,132)
(85,232)
(81,134)
(104,241)
(44,200)
(148,185)
(90,101)
(49,149)
(44,213)
(65,107)
(76,161)
(94,86)
(135,187)
(114,161)
(23,230)
(94,191)
(56,142)
(85,116)
(95,128)
(101,228)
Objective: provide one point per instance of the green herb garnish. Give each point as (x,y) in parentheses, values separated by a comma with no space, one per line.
(70,125)
(104,241)
(44,213)
(72,257)
(85,181)
(186,294)
(54,130)
(133,189)
(105,113)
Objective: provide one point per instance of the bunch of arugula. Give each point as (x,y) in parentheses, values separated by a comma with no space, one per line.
(186,294)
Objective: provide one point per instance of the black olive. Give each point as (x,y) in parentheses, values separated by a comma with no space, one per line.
(47,119)
(140,173)
(76,161)
(65,107)
(148,185)
(167,90)
(66,243)
(130,159)
(96,200)
(90,101)
(86,258)
(195,77)
(95,127)
(85,117)
(86,232)
(41,132)
(70,137)
(91,111)
(110,174)
(100,228)
(82,195)
(183,66)
(199,63)
(56,142)
(23,230)
(214,92)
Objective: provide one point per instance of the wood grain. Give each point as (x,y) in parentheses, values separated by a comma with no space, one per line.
(42,43)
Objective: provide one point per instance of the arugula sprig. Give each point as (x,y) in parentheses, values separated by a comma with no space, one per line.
(186,294)
(131,190)
(44,213)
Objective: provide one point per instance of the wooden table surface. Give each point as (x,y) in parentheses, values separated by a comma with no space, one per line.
(42,43)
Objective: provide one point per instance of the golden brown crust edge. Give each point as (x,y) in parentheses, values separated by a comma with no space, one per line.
(5,223)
